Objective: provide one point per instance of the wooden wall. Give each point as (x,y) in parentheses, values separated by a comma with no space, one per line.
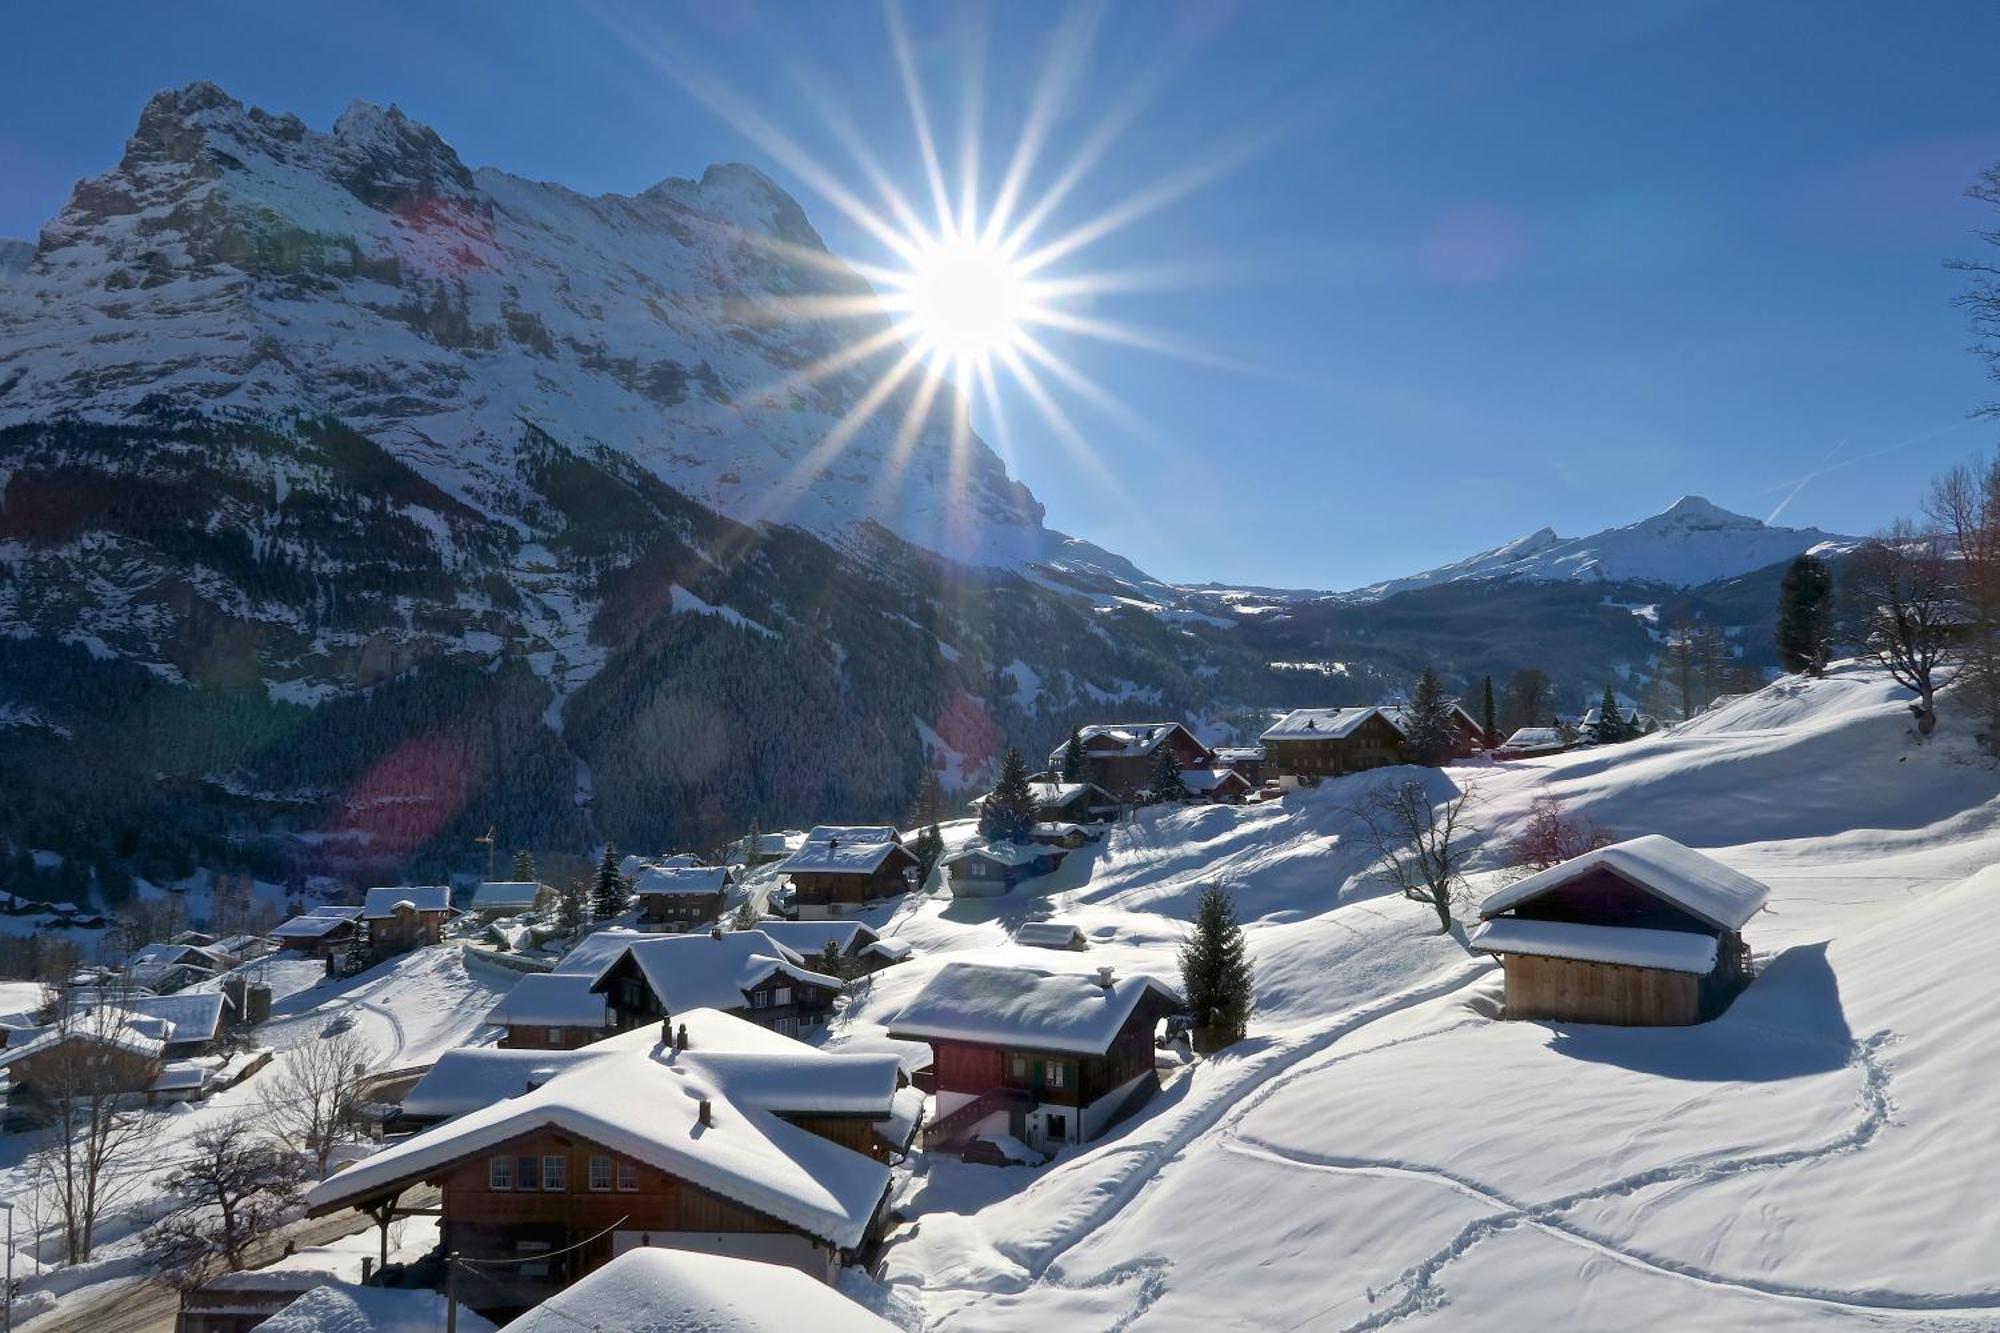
(1561,988)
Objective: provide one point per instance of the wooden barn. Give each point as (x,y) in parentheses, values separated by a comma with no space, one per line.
(680,897)
(402,917)
(550,1011)
(1119,756)
(1644,933)
(841,869)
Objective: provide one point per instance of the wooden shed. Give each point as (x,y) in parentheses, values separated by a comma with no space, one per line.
(1644,933)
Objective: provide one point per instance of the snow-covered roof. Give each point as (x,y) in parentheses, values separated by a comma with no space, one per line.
(1535,738)
(1238,754)
(599,950)
(1021,1006)
(1062,793)
(1003,853)
(648,1290)
(1318,724)
(549,999)
(641,1099)
(889,947)
(470,1077)
(1048,934)
(681,881)
(845,851)
(188,1015)
(1125,739)
(343,1307)
(1398,716)
(346,911)
(1670,950)
(382,902)
(810,938)
(906,1113)
(505,895)
(1699,885)
(126,1032)
(179,1076)
(714,970)
(152,976)
(1205,781)
(310,927)
(853,833)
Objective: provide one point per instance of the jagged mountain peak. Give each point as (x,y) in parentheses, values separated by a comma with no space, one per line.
(1692,541)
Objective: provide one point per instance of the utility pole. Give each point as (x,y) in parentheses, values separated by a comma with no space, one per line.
(451,1292)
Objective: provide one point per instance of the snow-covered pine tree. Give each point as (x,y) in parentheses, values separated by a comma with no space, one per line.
(1488,719)
(524,867)
(753,842)
(1215,971)
(929,849)
(1611,727)
(1805,616)
(1072,764)
(1166,782)
(1432,730)
(829,962)
(608,892)
(746,917)
(357,950)
(930,798)
(1009,811)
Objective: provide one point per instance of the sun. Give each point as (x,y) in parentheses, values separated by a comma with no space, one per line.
(967,301)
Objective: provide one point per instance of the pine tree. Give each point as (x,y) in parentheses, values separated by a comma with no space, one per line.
(929,849)
(1430,725)
(1611,727)
(1488,719)
(572,903)
(753,843)
(1072,764)
(1215,971)
(828,963)
(746,917)
(930,799)
(524,867)
(357,950)
(1009,810)
(1167,784)
(609,891)
(1805,616)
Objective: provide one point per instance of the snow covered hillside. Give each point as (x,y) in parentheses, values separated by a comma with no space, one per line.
(1381,1151)
(1690,543)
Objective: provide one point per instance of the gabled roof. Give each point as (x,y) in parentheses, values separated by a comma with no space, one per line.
(347,911)
(714,970)
(599,950)
(1699,885)
(381,902)
(312,926)
(846,851)
(549,999)
(810,938)
(648,1290)
(122,1031)
(1536,738)
(1004,853)
(1318,724)
(1237,754)
(1048,934)
(495,895)
(471,1077)
(853,833)
(1124,739)
(641,1099)
(1206,781)
(188,1015)
(1398,716)
(1021,1006)
(682,881)
(1667,950)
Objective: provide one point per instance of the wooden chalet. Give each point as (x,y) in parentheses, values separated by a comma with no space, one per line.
(721,1138)
(1308,744)
(680,1289)
(1643,933)
(548,1011)
(1217,786)
(321,933)
(495,898)
(841,869)
(1245,759)
(681,897)
(1527,742)
(987,869)
(402,917)
(1119,756)
(1047,1058)
(744,973)
(1469,738)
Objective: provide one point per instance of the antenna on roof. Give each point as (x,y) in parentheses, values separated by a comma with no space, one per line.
(490,839)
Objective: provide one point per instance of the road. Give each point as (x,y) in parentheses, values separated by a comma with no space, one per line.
(150,1308)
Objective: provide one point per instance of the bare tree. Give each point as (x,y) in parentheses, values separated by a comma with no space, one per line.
(1526,700)
(1420,846)
(1901,583)
(1554,835)
(1965,504)
(309,1103)
(236,1185)
(86,1083)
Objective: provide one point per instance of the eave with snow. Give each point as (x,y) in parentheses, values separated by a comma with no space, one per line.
(840,869)
(740,972)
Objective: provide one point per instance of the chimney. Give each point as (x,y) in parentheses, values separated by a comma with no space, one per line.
(681,1038)
(539,1075)
(666,1029)
(1104,975)
(715,932)
(706,1116)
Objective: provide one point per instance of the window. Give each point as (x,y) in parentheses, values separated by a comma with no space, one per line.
(628,1175)
(787,1027)
(600,1173)
(527,1174)
(781,996)
(760,999)
(555,1034)
(1052,1075)
(1017,1066)
(500,1173)
(555,1173)
(527,1247)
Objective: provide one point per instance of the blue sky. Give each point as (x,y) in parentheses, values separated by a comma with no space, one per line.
(1453,272)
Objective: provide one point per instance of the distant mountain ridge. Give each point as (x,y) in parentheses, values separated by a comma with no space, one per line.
(1690,543)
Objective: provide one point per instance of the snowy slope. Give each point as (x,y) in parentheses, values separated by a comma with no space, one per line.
(240,259)
(1691,543)
(1385,1153)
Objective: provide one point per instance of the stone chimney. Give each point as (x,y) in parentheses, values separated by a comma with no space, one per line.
(666,1029)
(681,1038)
(1104,976)
(706,1116)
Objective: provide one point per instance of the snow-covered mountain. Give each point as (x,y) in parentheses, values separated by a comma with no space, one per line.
(243,260)
(1691,543)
